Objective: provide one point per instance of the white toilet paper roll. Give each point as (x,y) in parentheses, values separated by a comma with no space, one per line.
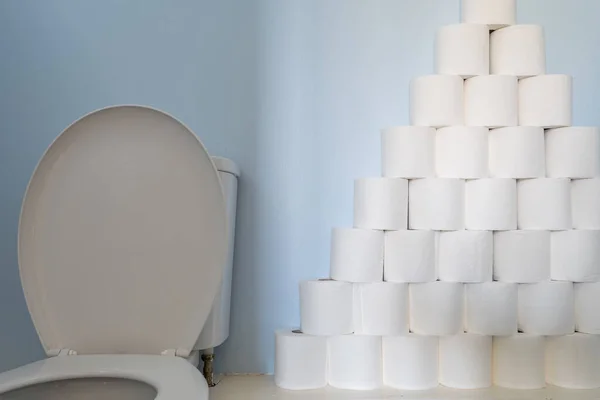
(436,100)
(381,203)
(436,308)
(518,361)
(546,308)
(461,152)
(436,204)
(408,152)
(491,101)
(410,362)
(544,203)
(463,49)
(575,256)
(326,307)
(587,312)
(355,362)
(357,255)
(465,256)
(573,152)
(300,360)
(381,308)
(518,50)
(493,13)
(522,256)
(491,204)
(517,152)
(491,308)
(573,361)
(466,361)
(546,101)
(409,256)
(585,197)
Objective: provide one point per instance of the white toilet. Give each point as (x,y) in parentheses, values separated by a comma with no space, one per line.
(123,239)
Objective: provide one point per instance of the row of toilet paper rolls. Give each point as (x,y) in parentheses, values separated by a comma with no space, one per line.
(470,152)
(469,50)
(495,204)
(330,308)
(415,362)
(417,256)
(491,100)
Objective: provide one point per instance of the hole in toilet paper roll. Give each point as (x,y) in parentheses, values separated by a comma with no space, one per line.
(296,331)
(324,279)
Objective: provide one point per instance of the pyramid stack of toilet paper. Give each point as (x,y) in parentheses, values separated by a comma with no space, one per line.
(475,259)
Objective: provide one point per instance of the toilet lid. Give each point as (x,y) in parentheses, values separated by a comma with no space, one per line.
(122,236)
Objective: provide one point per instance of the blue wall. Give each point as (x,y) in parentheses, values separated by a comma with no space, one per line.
(295,91)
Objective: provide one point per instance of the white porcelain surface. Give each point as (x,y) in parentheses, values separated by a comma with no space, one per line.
(216,328)
(123,235)
(172,377)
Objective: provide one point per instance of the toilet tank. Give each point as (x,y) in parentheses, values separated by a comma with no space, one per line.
(216,328)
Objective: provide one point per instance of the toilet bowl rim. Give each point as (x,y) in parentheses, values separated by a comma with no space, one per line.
(171,377)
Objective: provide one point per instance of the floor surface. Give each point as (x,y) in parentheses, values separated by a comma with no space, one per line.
(262,388)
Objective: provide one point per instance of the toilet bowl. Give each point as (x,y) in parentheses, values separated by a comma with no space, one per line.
(123,240)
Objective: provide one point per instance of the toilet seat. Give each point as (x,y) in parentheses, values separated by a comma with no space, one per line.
(173,377)
(122,243)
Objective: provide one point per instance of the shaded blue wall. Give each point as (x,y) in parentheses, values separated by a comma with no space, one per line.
(294,91)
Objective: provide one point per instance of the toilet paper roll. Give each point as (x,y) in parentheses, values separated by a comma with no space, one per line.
(491,101)
(463,49)
(465,256)
(461,152)
(436,100)
(544,203)
(575,256)
(466,361)
(517,152)
(518,50)
(410,362)
(326,307)
(585,197)
(381,203)
(493,13)
(436,204)
(357,255)
(573,361)
(546,101)
(546,308)
(381,308)
(355,362)
(408,152)
(522,256)
(409,256)
(573,152)
(587,312)
(491,204)
(436,308)
(300,360)
(518,361)
(491,308)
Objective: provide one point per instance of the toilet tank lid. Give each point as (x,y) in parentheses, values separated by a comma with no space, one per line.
(226,165)
(122,236)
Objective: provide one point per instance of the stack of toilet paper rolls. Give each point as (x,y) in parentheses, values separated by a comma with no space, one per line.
(475,259)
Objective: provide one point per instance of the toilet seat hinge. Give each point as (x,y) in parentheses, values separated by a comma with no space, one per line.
(176,353)
(61,352)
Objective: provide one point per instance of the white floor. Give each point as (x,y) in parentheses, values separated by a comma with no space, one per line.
(263,388)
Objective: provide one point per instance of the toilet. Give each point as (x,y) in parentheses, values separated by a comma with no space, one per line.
(123,243)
